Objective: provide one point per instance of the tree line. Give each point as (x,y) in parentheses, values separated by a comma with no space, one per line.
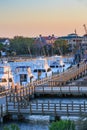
(28,46)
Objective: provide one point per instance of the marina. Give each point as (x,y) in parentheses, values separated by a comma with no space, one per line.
(20,99)
(43,65)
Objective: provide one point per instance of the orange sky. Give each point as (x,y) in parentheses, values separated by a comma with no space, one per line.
(46,17)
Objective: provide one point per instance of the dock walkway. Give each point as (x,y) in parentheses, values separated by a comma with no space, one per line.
(19,101)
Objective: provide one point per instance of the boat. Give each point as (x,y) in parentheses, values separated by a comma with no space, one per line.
(23,75)
(58,64)
(6,77)
(41,69)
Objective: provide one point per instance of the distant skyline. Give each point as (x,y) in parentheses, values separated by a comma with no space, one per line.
(33,17)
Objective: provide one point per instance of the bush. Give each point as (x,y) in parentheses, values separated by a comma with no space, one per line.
(62,125)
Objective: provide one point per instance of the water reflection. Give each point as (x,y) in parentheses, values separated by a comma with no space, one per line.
(27,125)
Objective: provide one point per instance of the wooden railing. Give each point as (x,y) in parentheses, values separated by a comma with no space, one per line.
(5,92)
(65,76)
(3,110)
(68,89)
(26,93)
(44,87)
(56,80)
(49,108)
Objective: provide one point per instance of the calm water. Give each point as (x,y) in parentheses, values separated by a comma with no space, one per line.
(27,126)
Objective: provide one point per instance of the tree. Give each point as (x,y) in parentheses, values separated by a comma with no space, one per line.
(21,45)
(62,125)
(61,46)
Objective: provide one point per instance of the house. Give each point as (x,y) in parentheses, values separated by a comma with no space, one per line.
(5,41)
(84,42)
(45,40)
(72,39)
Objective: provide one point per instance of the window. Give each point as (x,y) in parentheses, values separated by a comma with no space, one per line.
(52,66)
(10,79)
(40,70)
(4,80)
(35,70)
(0,80)
(49,69)
(23,77)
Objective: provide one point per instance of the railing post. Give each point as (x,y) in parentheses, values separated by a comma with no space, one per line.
(72,105)
(14,98)
(9,97)
(84,106)
(36,104)
(55,108)
(29,90)
(1,118)
(18,107)
(26,91)
(1,110)
(80,108)
(33,89)
(51,89)
(30,109)
(60,105)
(23,91)
(48,105)
(60,89)
(20,92)
(78,88)
(69,89)
(6,104)
(43,90)
(67,108)
(42,108)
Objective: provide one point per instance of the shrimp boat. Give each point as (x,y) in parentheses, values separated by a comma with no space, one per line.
(41,69)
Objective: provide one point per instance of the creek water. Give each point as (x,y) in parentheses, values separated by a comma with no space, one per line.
(26,125)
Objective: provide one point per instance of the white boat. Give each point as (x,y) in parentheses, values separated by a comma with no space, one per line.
(57,64)
(6,77)
(41,68)
(23,75)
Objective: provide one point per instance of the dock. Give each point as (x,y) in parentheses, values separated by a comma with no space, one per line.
(19,101)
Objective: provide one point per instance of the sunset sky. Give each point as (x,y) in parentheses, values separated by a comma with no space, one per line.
(46,17)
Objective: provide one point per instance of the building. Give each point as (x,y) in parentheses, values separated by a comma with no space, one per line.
(73,40)
(5,41)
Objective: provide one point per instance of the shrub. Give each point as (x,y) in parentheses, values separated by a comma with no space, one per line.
(62,125)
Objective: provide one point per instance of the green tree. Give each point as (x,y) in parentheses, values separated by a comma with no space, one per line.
(62,125)
(61,46)
(12,127)
(22,45)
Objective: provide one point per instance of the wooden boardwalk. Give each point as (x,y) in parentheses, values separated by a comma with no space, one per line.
(49,108)
(68,75)
(18,101)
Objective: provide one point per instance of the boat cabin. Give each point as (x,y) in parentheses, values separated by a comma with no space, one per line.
(41,69)
(6,77)
(23,75)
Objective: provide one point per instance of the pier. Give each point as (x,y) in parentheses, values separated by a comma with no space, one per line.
(19,101)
